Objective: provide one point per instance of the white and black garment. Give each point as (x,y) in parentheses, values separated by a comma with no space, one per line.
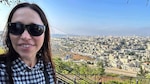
(22,74)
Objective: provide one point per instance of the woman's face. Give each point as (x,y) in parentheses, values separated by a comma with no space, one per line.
(25,44)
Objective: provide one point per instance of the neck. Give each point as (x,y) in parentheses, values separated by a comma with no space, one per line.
(30,62)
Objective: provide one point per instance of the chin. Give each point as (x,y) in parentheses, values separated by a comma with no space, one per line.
(25,55)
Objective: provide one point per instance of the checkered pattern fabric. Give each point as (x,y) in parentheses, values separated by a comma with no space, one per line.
(22,74)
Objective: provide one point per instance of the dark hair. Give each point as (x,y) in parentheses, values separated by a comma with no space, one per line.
(45,49)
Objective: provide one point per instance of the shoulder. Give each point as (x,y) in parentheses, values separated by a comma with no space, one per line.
(2,62)
(49,68)
(2,58)
(49,65)
(3,73)
(51,72)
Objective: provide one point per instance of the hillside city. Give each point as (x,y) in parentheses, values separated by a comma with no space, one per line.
(124,53)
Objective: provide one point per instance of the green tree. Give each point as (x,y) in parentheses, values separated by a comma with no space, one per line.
(62,67)
(101,70)
(84,69)
(10,2)
(142,72)
(2,50)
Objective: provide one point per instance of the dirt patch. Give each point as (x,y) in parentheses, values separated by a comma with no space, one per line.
(81,57)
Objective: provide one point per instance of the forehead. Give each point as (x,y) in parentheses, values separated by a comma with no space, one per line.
(26,15)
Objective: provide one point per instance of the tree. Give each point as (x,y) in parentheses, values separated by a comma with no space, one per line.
(100,68)
(10,2)
(2,50)
(84,69)
(142,72)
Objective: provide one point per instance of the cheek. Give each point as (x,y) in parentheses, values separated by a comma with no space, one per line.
(39,40)
(13,39)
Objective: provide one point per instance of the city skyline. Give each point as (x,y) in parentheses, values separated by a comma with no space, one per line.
(98,17)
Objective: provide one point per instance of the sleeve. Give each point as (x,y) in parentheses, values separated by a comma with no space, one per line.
(50,73)
(3,74)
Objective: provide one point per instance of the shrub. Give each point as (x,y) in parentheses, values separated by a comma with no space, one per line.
(1,50)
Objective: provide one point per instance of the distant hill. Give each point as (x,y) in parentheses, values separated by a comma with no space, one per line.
(58,35)
(61,35)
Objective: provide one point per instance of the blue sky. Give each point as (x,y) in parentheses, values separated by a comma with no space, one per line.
(97,17)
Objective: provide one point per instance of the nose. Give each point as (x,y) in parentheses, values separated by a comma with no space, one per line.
(25,35)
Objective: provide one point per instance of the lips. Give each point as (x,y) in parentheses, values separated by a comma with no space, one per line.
(25,45)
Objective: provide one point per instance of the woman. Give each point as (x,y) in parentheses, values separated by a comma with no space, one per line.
(28,57)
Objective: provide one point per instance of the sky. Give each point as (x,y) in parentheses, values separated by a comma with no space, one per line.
(93,17)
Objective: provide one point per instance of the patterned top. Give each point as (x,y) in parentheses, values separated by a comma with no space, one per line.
(22,74)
